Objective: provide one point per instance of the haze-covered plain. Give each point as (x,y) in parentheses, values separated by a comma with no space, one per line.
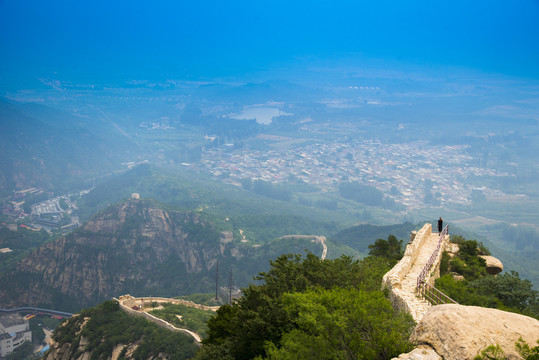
(365,113)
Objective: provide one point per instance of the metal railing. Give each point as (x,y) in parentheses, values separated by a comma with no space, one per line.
(427,291)
(433,295)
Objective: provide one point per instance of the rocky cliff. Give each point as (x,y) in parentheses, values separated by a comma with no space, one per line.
(132,247)
(137,247)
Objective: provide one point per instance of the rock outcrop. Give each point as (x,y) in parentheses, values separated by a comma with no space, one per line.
(452,249)
(494,266)
(65,352)
(457,332)
(422,352)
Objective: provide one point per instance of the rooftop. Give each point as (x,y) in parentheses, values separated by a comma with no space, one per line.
(11,320)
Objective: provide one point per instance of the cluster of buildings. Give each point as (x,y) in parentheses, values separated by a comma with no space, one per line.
(14,331)
(405,172)
(46,214)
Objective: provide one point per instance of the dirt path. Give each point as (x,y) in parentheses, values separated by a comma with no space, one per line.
(48,340)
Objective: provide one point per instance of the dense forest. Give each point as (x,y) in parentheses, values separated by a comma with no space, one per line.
(21,242)
(307,308)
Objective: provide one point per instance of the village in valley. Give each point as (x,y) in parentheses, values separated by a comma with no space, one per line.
(413,174)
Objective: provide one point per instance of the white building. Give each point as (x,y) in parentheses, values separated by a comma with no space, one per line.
(14,330)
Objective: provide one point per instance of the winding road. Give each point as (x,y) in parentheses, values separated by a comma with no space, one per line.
(39,310)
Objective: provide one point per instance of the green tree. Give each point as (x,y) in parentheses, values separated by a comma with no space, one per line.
(444,263)
(468,263)
(527,352)
(342,324)
(462,293)
(495,352)
(215,352)
(259,316)
(37,331)
(506,291)
(492,352)
(390,248)
(510,289)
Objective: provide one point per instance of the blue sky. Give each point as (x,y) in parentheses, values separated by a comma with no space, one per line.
(118,40)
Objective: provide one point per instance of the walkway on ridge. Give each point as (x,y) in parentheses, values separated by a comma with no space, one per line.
(409,283)
(314,238)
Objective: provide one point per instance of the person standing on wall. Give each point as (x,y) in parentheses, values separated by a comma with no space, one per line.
(440,225)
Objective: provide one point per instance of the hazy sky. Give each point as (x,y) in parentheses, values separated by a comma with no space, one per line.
(118,40)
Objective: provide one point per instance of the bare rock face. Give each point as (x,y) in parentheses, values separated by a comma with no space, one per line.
(458,332)
(420,353)
(494,266)
(132,244)
(452,249)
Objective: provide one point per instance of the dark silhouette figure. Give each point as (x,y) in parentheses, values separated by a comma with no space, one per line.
(440,225)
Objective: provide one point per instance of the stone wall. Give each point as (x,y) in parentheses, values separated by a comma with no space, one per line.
(160,322)
(401,280)
(131,301)
(392,280)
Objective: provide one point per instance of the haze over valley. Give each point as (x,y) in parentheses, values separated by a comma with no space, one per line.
(181,149)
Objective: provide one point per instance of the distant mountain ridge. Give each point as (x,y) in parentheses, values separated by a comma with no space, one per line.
(44,147)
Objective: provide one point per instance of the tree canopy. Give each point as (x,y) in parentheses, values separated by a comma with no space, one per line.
(342,324)
(390,248)
(506,291)
(305,302)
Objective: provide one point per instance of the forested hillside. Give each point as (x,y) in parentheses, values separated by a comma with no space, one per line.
(21,243)
(99,332)
(46,148)
(189,189)
(143,248)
